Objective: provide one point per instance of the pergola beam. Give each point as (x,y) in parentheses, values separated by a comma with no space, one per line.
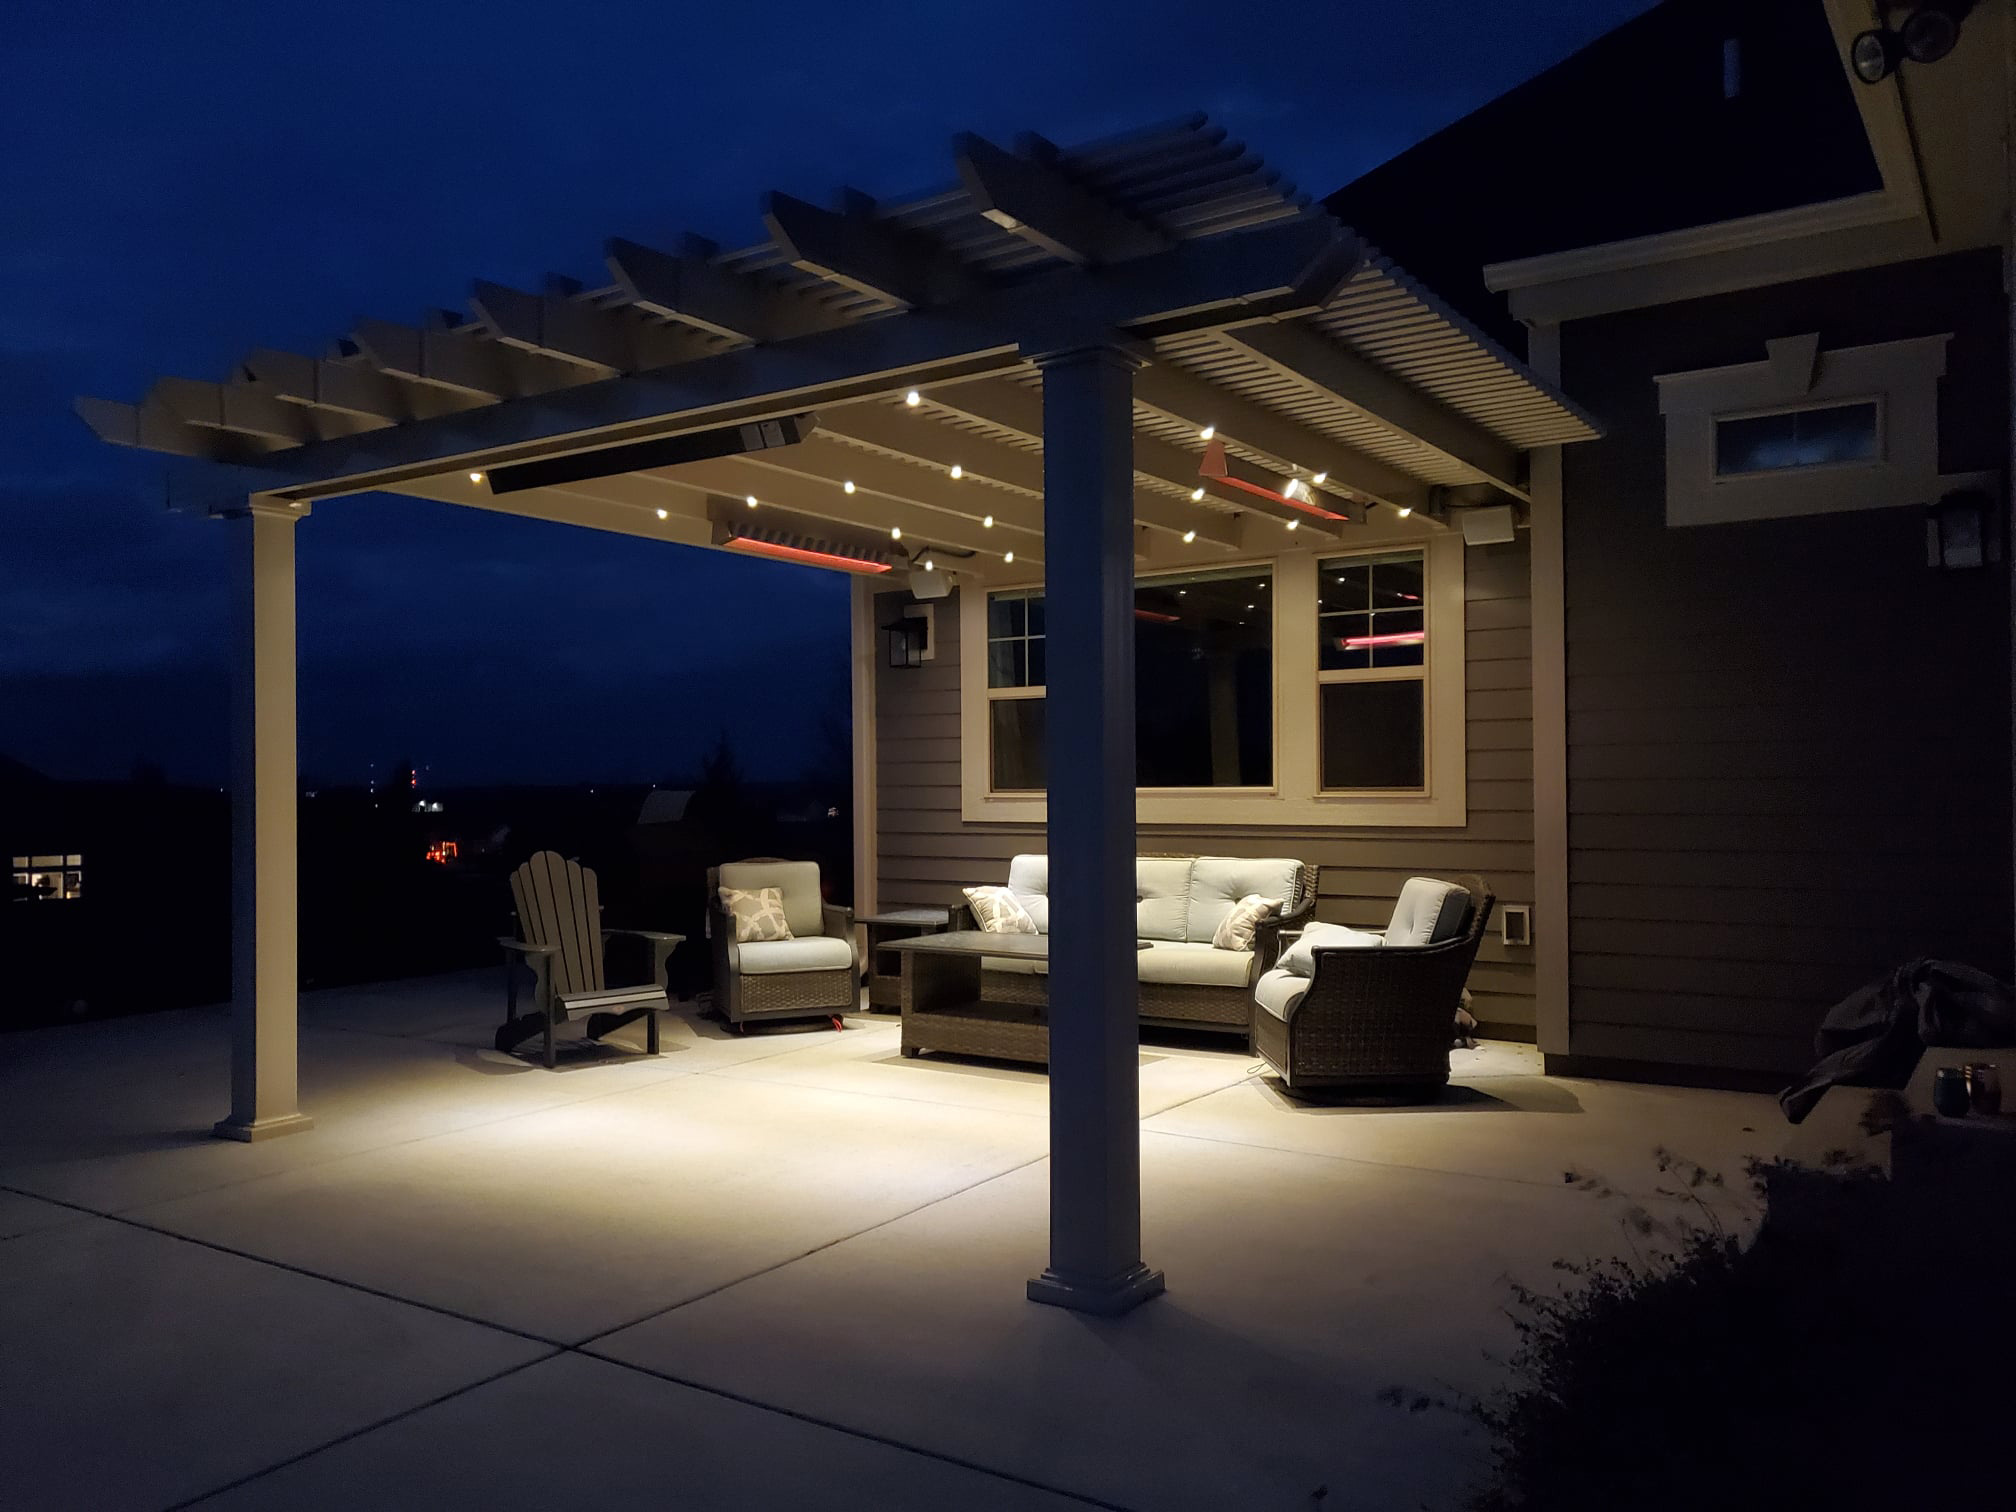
(1176,394)
(997,401)
(236,407)
(1034,200)
(993,462)
(603,342)
(689,286)
(854,249)
(364,394)
(1317,362)
(461,360)
(150,426)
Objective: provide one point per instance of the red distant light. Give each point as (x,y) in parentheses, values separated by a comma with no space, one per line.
(808,558)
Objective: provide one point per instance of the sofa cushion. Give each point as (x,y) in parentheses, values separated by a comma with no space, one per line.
(1182,963)
(1299,959)
(1428,912)
(804,904)
(1236,931)
(1278,991)
(756,914)
(998,911)
(1218,882)
(1162,897)
(811,953)
(1029,880)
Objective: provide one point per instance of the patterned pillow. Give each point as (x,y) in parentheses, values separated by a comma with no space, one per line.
(1236,932)
(999,912)
(758,913)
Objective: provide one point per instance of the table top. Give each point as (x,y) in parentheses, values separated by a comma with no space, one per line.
(915,916)
(980,942)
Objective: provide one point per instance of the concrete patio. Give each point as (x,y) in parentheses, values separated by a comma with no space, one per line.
(779,1270)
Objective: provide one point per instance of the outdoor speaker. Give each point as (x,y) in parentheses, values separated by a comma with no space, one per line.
(928,583)
(1489,527)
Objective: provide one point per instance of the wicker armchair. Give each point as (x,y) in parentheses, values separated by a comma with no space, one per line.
(813,975)
(1376,1018)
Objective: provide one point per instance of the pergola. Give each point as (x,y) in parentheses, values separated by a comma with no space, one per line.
(1144,350)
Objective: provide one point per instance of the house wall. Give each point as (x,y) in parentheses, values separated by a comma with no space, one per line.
(925,852)
(1788,740)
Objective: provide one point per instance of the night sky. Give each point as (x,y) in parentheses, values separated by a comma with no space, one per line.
(181,183)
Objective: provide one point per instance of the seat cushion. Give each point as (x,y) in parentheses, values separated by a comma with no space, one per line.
(1180,963)
(1429,911)
(804,904)
(811,953)
(1029,880)
(1218,882)
(1162,897)
(1299,959)
(1278,991)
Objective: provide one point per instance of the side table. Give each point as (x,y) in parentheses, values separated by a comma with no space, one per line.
(885,971)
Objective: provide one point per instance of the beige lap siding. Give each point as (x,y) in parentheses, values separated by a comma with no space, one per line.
(925,852)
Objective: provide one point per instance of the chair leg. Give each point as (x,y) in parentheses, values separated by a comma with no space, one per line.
(651,1030)
(549,1039)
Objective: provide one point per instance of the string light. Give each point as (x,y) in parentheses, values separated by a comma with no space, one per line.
(988,523)
(928,567)
(664,514)
(1406,511)
(475,477)
(1207,433)
(751,501)
(1292,524)
(1197,494)
(895,532)
(958,472)
(1009,557)
(848,486)
(913,398)
(1318,480)
(1189,536)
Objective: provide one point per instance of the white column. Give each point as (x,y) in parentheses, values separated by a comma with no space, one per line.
(264,910)
(1095,1129)
(1553,1020)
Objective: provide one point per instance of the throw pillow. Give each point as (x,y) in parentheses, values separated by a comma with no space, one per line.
(1236,931)
(998,911)
(1300,958)
(758,913)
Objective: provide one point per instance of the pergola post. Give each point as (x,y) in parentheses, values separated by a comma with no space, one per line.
(1095,1131)
(264,909)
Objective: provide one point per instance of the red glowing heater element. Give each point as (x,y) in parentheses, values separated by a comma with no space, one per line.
(1214,468)
(1397,638)
(808,558)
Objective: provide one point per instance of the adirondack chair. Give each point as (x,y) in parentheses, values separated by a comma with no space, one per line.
(560,921)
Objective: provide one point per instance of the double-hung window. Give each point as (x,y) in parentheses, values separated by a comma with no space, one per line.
(1372,664)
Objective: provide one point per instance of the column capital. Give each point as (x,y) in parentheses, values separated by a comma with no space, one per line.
(1116,348)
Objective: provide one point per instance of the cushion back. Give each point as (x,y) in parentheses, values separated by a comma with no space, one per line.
(1218,882)
(1428,912)
(1029,880)
(797,880)
(1162,897)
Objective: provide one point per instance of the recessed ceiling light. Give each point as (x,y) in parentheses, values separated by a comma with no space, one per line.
(1197,493)
(1405,511)
(988,522)
(1009,557)
(1319,479)
(895,532)
(751,501)
(1207,433)
(1293,523)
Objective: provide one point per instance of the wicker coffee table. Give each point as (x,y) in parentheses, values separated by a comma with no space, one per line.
(942,1006)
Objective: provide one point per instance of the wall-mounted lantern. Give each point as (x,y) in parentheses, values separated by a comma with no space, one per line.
(1960,531)
(911,635)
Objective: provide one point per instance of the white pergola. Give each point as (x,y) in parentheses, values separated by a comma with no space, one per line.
(1032,362)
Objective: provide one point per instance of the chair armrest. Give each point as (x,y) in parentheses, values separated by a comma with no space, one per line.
(662,946)
(644,934)
(521,948)
(836,920)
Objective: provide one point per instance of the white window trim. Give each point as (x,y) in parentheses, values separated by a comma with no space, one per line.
(1902,377)
(1296,798)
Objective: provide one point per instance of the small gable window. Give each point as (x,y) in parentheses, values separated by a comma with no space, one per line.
(1822,436)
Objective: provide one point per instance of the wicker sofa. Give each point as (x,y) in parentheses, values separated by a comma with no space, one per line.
(1180,901)
(811,975)
(1350,1009)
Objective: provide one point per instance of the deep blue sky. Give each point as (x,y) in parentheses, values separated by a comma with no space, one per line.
(180,183)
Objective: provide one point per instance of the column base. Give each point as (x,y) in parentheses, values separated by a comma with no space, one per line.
(262,1128)
(1105,1298)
